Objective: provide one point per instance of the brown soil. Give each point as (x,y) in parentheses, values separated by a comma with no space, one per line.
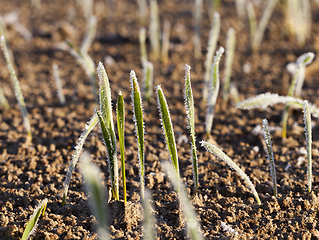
(32,172)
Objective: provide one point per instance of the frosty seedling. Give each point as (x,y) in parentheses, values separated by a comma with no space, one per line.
(106,122)
(76,154)
(189,105)
(32,223)
(139,124)
(212,42)
(307,122)
(270,155)
(17,88)
(220,154)
(120,115)
(167,128)
(213,91)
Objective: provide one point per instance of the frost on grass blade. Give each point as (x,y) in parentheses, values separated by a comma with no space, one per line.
(93,183)
(32,223)
(139,124)
(193,226)
(307,122)
(167,128)
(17,88)
(76,154)
(189,105)
(120,115)
(270,155)
(212,43)
(220,154)
(213,91)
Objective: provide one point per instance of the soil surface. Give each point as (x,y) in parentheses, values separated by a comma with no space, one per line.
(30,172)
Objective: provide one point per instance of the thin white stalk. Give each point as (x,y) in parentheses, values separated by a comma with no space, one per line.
(154,30)
(165,42)
(270,155)
(149,219)
(230,52)
(270,6)
(220,154)
(76,154)
(240,6)
(214,89)
(307,122)
(142,38)
(302,62)
(190,112)
(148,72)
(142,11)
(252,20)
(3,100)
(58,83)
(197,19)
(17,89)
(90,34)
(212,43)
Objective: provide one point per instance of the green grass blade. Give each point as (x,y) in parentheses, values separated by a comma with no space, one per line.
(193,225)
(93,183)
(149,220)
(308,133)
(139,124)
(32,223)
(189,105)
(17,88)
(120,128)
(270,154)
(213,91)
(230,52)
(76,154)
(212,43)
(112,158)
(220,154)
(167,128)
(87,64)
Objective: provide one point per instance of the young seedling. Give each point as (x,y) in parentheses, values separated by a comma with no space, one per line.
(58,84)
(307,122)
(212,43)
(230,51)
(165,42)
(120,114)
(76,154)
(270,155)
(3,100)
(240,7)
(220,154)
(88,65)
(197,19)
(142,38)
(148,72)
(189,105)
(213,91)
(106,122)
(154,30)
(270,6)
(17,89)
(32,223)
(93,183)
(193,225)
(296,85)
(90,34)
(167,128)
(149,220)
(139,124)
(142,12)
(252,20)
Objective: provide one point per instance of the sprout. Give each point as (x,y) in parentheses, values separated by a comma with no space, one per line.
(90,34)
(212,42)
(154,30)
(106,122)
(270,155)
(3,99)
(76,154)
(197,19)
(189,105)
(165,42)
(142,11)
(213,91)
(148,72)
(168,130)
(220,154)
(252,20)
(142,37)
(307,122)
(17,88)
(149,220)
(32,223)
(58,84)
(120,114)
(139,124)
